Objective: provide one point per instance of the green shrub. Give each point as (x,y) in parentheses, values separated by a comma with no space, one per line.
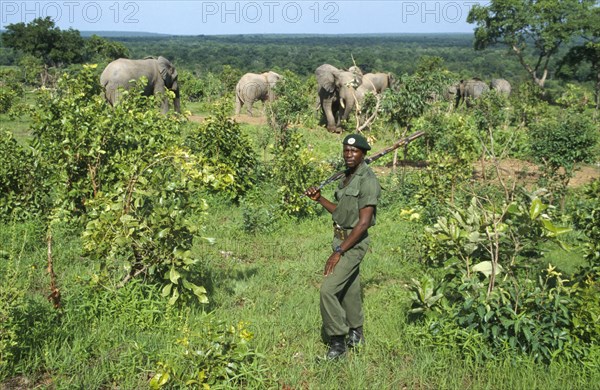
(208,353)
(560,142)
(220,139)
(294,170)
(587,219)
(23,186)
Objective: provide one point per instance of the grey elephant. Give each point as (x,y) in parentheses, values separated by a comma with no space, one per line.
(377,82)
(501,86)
(337,93)
(253,87)
(469,90)
(373,82)
(160,73)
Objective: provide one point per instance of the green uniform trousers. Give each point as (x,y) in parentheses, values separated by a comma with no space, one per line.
(341,303)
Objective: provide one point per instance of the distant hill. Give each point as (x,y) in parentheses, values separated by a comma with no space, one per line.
(121,34)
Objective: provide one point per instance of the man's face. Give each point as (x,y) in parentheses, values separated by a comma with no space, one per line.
(353,156)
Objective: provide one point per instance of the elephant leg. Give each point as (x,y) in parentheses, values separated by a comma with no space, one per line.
(249,104)
(238,105)
(328,107)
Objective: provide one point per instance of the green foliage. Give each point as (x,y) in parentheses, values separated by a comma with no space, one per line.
(146,221)
(98,49)
(413,95)
(561,141)
(493,114)
(42,39)
(295,102)
(451,145)
(294,170)
(587,219)
(11,89)
(12,327)
(192,87)
(260,210)
(488,232)
(532,30)
(512,314)
(15,306)
(122,170)
(220,139)
(209,353)
(23,186)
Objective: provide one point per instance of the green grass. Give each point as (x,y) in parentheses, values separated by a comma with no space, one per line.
(269,281)
(105,337)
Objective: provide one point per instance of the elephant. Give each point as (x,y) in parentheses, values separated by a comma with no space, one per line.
(253,87)
(377,82)
(471,89)
(501,86)
(337,93)
(160,73)
(373,82)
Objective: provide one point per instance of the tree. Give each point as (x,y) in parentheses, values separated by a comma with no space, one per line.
(100,49)
(42,39)
(534,30)
(587,52)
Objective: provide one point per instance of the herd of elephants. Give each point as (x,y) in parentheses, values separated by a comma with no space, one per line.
(340,91)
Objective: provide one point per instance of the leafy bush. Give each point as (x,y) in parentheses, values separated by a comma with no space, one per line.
(210,353)
(587,219)
(121,170)
(220,139)
(561,141)
(294,170)
(12,304)
(23,188)
(295,102)
(542,317)
(11,88)
(192,87)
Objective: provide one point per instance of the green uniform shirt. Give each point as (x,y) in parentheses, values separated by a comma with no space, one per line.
(363,190)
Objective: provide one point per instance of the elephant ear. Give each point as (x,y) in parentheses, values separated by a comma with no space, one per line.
(272,77)
(167,70)
(327,76)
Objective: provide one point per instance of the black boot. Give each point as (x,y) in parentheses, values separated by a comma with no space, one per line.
(355,338)
(337,347)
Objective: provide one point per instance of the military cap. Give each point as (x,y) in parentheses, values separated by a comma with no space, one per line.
(357,141)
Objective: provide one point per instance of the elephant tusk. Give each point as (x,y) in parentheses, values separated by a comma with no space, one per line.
(342,104)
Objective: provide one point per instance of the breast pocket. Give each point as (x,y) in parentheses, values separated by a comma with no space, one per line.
(346,213)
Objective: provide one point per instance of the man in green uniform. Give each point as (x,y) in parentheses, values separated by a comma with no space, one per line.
(354,213)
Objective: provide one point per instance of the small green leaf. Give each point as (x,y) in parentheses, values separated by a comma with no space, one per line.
(174,297)
(485,267)
(537,207)
(159,380)
(174,276)
(166,291)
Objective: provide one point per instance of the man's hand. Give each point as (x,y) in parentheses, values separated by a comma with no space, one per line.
(331,263)
(314,193)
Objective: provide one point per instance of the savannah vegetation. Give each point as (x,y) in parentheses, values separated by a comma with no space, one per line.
(142,250)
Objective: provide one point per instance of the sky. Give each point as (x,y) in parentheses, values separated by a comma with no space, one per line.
(198,17)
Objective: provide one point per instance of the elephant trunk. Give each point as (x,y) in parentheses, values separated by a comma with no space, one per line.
(176,101)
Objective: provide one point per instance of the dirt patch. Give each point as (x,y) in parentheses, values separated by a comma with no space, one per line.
(242,118)
(527,173)
(524,172)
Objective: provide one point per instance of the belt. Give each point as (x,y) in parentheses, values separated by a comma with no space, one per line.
(340,233)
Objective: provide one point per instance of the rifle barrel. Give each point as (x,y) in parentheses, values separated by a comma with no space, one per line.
(401,142)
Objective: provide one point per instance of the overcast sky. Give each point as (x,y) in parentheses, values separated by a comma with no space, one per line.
(195,17)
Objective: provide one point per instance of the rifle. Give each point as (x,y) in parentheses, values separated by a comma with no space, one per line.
(401,142)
